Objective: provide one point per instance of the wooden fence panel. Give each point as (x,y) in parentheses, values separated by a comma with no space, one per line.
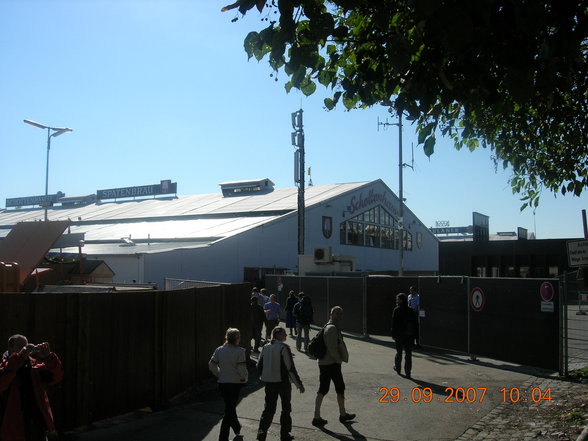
(125,351)
(180,350)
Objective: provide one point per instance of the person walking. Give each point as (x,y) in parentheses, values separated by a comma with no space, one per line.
(330,369)
(290,320)
(256,319)
(272,315)
(25,372)
(229,365)
(304,314)
(260,299)
(403,332)
(414,303)
(278,371)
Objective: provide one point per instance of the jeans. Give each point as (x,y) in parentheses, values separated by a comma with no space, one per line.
(230,393)
(404,343)
(256,334)
(272,391)
(269,326)
(299,328)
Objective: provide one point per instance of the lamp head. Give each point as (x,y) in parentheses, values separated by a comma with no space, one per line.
(36,124)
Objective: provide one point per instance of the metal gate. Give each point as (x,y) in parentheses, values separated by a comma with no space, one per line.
(574,322)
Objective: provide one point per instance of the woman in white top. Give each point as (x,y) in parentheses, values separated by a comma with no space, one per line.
(228,363)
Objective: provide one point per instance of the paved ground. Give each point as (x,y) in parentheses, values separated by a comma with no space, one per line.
(388,407)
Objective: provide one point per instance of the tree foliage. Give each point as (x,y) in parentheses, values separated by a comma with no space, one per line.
(509,75)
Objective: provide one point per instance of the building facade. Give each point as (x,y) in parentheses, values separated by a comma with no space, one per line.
(248,228)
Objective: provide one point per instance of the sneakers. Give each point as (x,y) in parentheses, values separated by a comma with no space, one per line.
(318,422)
(347,417)
(286,437)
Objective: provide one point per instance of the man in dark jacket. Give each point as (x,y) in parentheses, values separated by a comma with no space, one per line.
(25,370)
(304,315)
(403,331)
(256,318)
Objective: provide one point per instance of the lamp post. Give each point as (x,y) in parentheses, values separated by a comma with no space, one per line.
(51,132)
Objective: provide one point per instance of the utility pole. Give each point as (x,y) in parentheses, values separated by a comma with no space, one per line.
(401,166)
(401,195)
(298,141)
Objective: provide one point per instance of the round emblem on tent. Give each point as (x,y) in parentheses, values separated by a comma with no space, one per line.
(477,299)
(547,291)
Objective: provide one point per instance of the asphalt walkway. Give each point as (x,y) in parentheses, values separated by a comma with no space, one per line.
(450,397)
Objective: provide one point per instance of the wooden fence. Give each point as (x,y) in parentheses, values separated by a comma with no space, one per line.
(126,351)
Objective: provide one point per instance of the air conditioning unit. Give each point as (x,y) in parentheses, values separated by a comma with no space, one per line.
(323,255)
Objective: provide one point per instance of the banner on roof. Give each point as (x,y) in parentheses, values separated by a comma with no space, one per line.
(43,200)
(164,187)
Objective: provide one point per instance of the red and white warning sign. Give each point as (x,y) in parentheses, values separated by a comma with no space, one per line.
(477,299)
(547,291)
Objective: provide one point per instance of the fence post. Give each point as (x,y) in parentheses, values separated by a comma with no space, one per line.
(468,309)
(328,298)
(83,406)
(563,326)
(364,306)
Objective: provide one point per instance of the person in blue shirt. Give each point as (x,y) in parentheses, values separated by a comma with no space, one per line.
(414,303)
(272,315)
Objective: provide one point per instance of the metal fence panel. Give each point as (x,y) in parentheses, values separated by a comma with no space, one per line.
(575,310)
(381,301)
(443,321)
(347,292)
(515,324)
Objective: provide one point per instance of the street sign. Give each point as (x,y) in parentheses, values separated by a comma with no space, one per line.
(578,252)
(547,291)
(477,299)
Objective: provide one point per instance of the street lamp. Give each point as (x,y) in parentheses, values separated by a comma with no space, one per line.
(51,132)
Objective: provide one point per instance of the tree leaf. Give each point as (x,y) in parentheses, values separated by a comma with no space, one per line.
(429,147)
(308,87)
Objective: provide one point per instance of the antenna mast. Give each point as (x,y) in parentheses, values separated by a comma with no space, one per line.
(298,141)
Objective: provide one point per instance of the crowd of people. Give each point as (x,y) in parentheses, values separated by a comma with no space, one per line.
(26,369)
(275,362)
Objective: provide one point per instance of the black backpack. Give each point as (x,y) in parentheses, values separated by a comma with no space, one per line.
(317,347)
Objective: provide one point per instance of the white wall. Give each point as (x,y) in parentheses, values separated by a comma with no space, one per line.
(348,206)
(269,245)
(126,267)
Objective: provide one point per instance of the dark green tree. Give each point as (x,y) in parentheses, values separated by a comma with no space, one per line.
(509,75)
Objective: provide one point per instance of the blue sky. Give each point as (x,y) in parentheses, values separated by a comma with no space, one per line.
(162,89)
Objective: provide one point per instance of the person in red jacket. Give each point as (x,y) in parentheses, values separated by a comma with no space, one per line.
(25,370)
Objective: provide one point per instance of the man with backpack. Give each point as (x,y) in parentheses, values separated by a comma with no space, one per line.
(303,312)
(330,369)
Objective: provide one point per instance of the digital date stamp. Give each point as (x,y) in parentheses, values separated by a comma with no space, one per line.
(469,395)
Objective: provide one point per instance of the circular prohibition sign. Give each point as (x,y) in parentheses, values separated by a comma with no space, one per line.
(547,291)
(477,299)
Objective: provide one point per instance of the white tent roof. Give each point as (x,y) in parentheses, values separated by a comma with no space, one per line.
(154,225)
